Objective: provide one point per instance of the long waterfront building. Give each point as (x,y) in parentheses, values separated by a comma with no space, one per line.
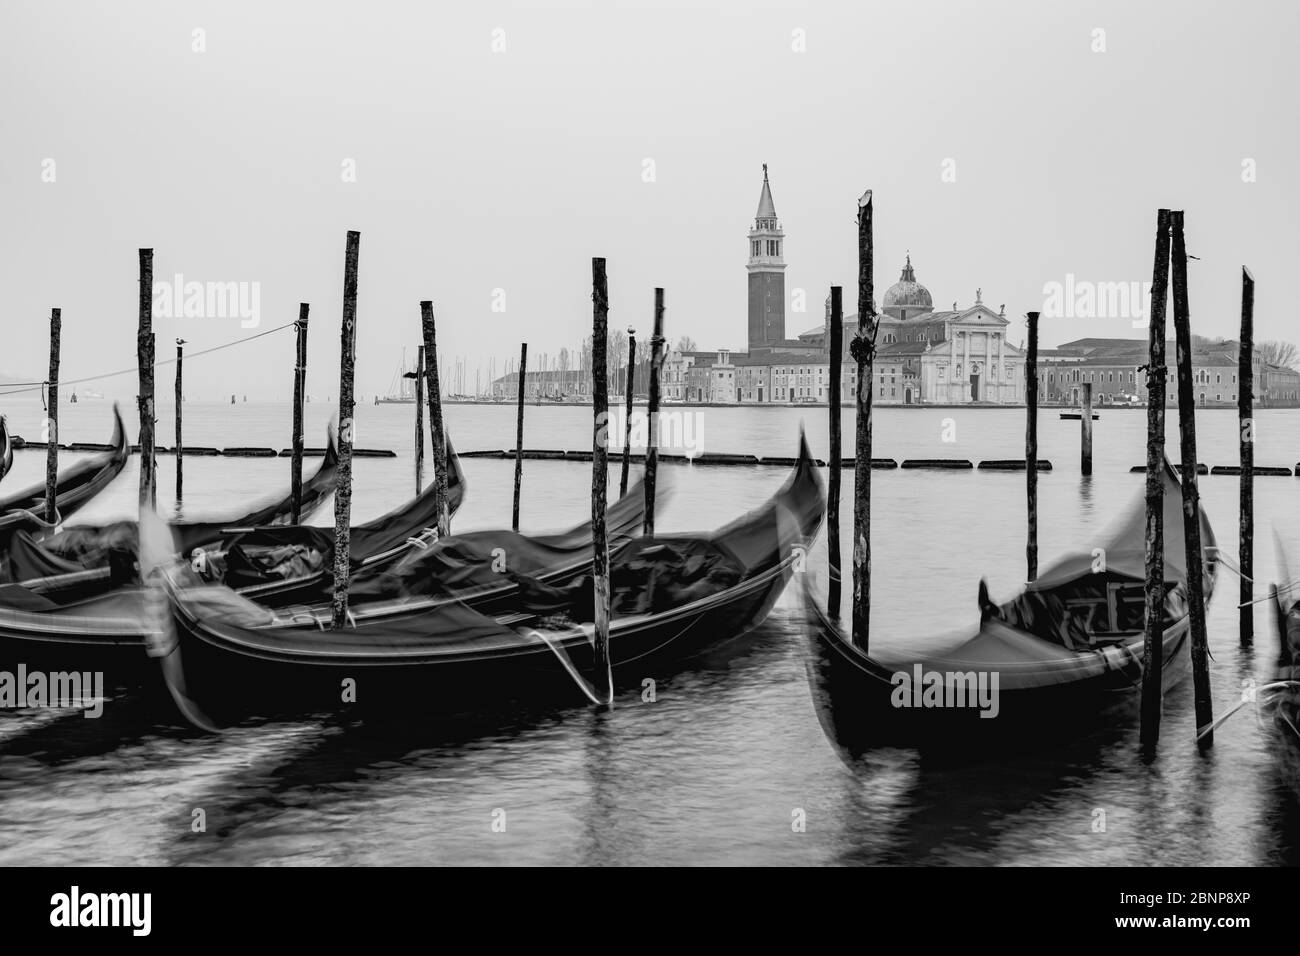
(958,356)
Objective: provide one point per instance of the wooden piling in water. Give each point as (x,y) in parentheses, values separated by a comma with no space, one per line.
(1085,430)
(1246,424)
(519,435)
(144,354)
(863,349)
(1152,645)
(627,419)
(1191,495)
(652,415)
(836,346)
(1031,450)
(180,446)
(603,678)
(437,430)
(299,393)
(347,408)
(52,415)
(419,419)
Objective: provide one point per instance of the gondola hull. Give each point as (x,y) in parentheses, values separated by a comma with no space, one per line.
(227,658)
(6,449)
(1061,659)
(226,684)
(75,486)
(862,704)
(111,629)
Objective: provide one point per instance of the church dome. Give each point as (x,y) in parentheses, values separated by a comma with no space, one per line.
(907,297)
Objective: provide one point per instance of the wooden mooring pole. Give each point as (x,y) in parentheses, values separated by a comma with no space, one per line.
(1191,495)
(437,431)
(180,398)
(627,417)
(144,354)
(1152,644)
(863,349)
(652,415)
(1031,450)
(837,453)
(1085,432)
(519,435)
(603,678)
(1246,422)
(347,407)
(299,394)
(419,419)
(52,415)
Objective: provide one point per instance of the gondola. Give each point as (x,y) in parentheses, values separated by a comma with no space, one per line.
(70,621)
(75,485)
(87,560)
(6,449)
(386,563)
(1063,656)
(294,564)
(226,658)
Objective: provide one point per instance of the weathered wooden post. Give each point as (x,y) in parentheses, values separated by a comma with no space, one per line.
(180,398)
(437,431)
(1191,494)
(836,462)
(419,419)
(863,349)
(52,415)
(1085,420)
(627,420)
(144,354)
(603,676)
(1152,644)
(299,393)
(1031,450)
(652,415)
(519,434)
(347,407)
(1246,422)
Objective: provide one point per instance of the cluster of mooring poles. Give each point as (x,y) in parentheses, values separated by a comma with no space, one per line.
(1170,264)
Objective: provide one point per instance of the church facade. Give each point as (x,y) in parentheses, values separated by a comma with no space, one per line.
(923,357)
(956,357)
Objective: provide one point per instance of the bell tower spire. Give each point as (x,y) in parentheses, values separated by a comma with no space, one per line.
(766,268)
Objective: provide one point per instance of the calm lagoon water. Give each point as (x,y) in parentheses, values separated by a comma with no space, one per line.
(712,771)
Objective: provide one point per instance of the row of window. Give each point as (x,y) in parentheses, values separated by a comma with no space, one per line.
(769,247)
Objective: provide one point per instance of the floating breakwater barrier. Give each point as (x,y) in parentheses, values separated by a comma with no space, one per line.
(956,464)
(236,451)
(1012,464)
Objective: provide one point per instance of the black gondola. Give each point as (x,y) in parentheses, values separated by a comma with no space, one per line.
(227,657)
(1060,657)
(6,449)
(74,486)
(87,560)
(69,621)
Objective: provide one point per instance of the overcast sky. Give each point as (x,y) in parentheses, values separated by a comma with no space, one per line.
(481,169)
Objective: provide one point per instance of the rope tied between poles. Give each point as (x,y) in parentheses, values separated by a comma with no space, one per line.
(35,386)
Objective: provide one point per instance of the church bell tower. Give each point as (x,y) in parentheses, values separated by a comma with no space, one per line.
(766,269)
